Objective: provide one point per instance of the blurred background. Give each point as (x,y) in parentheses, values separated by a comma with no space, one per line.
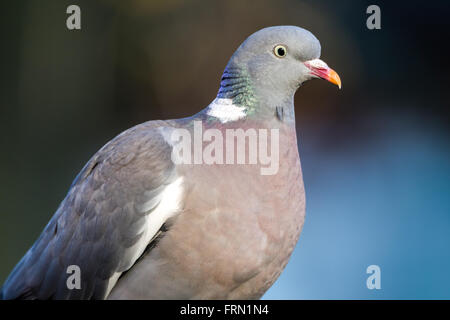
(375,155)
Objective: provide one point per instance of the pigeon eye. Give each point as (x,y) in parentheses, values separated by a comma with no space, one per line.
(280,51)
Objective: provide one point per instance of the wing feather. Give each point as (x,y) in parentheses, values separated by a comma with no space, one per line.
(105,222)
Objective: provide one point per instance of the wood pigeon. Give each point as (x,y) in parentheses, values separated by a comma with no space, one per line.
(184,209)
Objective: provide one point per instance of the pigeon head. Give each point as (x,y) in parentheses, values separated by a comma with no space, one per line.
(271,64)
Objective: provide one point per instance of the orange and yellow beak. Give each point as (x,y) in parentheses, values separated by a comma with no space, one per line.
(321,70)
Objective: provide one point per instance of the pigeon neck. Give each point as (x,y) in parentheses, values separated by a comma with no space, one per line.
(236,85)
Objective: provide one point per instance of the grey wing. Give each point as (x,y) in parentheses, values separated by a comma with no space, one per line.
(102,225)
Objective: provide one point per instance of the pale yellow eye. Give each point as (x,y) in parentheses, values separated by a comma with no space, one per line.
(280,51)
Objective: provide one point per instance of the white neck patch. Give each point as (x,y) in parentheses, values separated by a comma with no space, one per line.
(225,110)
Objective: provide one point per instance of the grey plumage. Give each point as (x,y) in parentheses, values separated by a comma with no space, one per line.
(98,223)
(140,226)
